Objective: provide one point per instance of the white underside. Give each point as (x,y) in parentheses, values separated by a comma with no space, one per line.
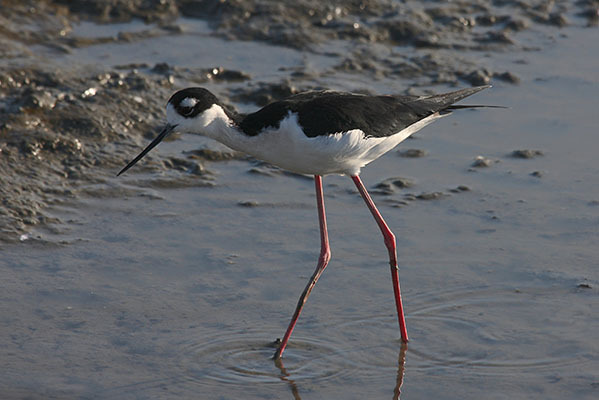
(289,148)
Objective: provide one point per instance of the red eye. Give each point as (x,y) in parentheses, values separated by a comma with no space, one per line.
(185,111)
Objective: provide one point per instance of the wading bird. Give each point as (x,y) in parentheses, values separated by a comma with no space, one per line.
(316,133)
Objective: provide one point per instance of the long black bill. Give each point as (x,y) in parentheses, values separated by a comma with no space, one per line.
(167,129)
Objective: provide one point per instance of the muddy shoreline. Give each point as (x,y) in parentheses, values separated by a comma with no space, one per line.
(68,127)
(173,280)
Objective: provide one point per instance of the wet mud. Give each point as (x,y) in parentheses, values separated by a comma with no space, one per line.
(172,281)
(67,126)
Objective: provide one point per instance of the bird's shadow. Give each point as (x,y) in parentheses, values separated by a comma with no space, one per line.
(286,377)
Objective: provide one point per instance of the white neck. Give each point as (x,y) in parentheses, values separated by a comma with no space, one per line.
(216,124)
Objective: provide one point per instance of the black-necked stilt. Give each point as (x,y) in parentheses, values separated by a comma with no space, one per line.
(317,133)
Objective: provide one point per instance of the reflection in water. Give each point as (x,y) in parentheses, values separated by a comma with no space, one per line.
(285,376)
(401,361)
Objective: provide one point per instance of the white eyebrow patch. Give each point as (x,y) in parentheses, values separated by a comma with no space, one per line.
(188,102)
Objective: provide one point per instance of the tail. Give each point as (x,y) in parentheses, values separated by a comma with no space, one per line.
(459,107)
(445,102)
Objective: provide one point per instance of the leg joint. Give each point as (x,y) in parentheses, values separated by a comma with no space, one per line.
(389,240)
(325,256)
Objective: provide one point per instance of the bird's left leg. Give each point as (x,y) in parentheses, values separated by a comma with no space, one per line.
(390,243)
(323,260)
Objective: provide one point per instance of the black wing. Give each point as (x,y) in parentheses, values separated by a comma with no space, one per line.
(326,113)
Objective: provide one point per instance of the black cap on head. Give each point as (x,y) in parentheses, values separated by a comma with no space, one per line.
(192,101)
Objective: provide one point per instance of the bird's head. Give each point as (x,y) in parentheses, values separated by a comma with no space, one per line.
(190,110)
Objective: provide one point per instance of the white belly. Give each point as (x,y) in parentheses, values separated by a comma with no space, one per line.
(289,148)
(342,153)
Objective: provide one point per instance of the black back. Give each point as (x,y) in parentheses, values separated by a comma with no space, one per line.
(327,112)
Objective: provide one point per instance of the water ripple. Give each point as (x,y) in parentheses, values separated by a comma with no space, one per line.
(242,357)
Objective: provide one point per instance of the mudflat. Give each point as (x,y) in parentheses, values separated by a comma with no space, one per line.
(173,281)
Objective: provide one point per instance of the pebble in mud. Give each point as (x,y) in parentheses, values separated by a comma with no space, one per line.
(396,203)
(38,99)
(460,189)
(527,154)
(390,185)
(225,75)
(482,162)
(431,195)
(478,78)
(537,174)
(409,197)
(196,75)
(517,24)
(188,166)
(412,153)
(248,203)
(508,77)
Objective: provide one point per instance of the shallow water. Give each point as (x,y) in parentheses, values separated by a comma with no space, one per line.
(151,291)
(195,46)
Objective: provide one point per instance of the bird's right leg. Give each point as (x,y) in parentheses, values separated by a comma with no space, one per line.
(323,260)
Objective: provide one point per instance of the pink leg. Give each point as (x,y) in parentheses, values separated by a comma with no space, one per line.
(323,260)
(390,243)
